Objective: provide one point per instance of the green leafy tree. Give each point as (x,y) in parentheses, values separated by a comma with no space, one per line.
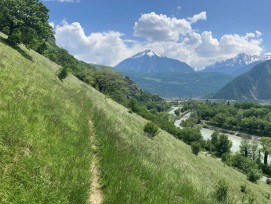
(245,147)
(25,21)
(177,112)
(220,143)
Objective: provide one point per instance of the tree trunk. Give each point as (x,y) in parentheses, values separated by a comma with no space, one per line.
(265,158)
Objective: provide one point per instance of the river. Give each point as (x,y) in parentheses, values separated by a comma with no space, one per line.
(206,133)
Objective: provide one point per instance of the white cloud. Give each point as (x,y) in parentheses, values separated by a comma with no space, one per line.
(258,33)
(156,27)
(171,37)
(103,48)
(198,17)
(203,49)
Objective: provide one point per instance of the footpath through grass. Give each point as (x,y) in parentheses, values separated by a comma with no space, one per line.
(137,169)
(45,150)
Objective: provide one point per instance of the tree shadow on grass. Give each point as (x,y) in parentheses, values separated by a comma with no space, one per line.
(18,48)
(23,53)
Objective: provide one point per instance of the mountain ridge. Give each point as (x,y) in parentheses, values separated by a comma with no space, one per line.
(235,66)
(252,85)
(148,61)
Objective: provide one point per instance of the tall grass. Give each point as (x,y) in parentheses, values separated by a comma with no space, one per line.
(133,174)
(45,151)
(138,169)
(44,138)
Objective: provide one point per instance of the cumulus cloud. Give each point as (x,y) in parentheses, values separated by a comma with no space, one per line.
(198,17)
(201,49)
(156,27)
(171,37)
(102,48)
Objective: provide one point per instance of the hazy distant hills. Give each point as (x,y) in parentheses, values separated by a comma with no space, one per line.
(253,85)
(170,78)
(150,62)
(235,66)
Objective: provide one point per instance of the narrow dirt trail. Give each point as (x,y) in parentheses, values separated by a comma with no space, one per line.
(95,196)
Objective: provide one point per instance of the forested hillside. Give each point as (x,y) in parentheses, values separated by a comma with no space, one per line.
(253,85)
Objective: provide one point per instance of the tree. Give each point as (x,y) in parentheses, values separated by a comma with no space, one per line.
(220,143)
(133,104)
(245,147)
(266,147)
(177,112)
(189,135)
(224,145)
(25,21)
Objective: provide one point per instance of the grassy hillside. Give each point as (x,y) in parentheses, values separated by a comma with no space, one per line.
(44,138)
(46,155)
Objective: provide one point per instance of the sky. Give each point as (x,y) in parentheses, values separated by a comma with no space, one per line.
(198,32)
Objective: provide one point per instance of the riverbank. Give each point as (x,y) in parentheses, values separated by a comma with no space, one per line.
(232,132)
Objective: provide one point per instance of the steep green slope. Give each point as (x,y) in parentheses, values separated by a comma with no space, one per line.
(253,85)
(45,145)
(44,138)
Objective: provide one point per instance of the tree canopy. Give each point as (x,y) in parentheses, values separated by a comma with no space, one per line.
(25,21)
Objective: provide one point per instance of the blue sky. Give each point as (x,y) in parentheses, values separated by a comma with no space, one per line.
(199,32)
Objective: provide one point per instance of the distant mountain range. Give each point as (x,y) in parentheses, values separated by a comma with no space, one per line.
(235,66)
(253,85)
(150,62)
(170,78)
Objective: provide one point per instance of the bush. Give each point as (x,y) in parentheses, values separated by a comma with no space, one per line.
(243,188)
(221,193)
(254,175)
(63,74)
(195,147)
(268,181)
(151,129)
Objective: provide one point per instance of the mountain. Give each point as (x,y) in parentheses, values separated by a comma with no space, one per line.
(150,62)
(178,78)
(253,85)
(235,66)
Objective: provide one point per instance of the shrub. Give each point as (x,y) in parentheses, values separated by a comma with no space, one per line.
(63,74)
(151,129)
(268,181)
(195,147)
(221,193)
(254,175)
(243,188)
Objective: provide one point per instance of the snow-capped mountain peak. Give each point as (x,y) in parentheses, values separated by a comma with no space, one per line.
(235,66)
(148,53)
(150,62)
